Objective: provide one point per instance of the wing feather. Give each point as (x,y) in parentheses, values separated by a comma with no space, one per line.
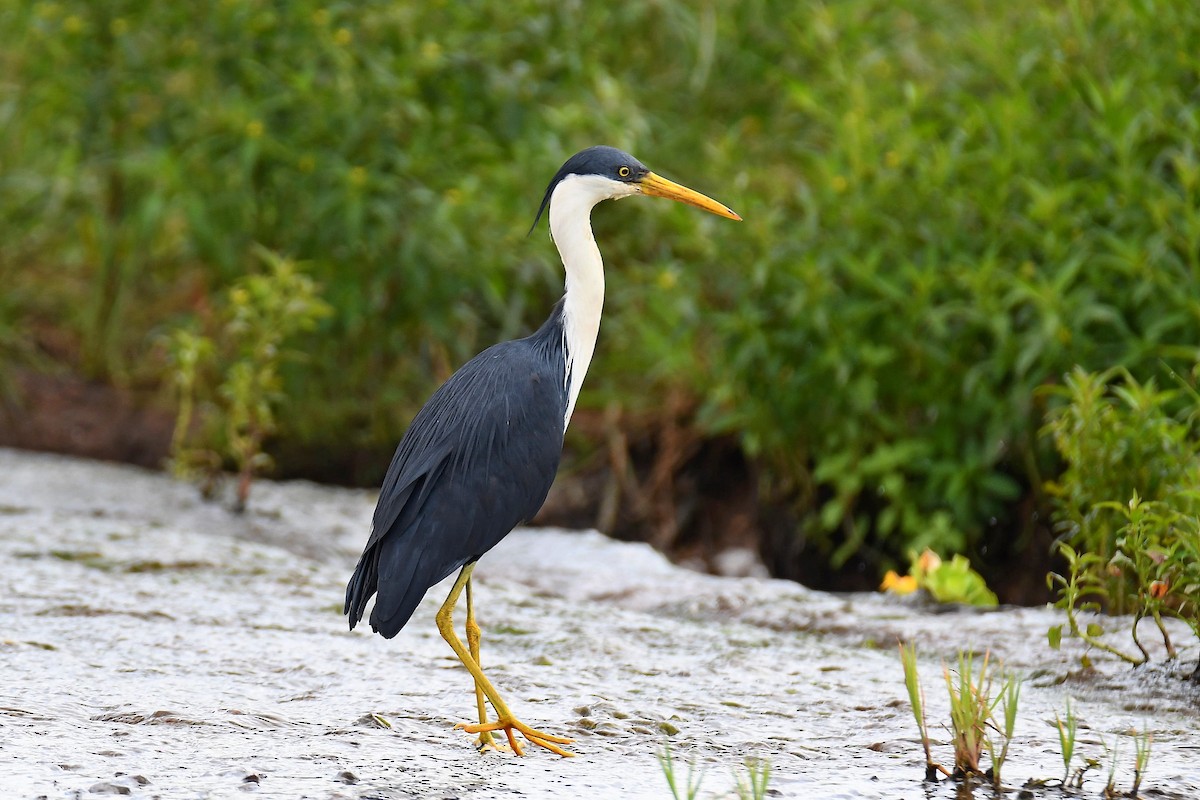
(477,460)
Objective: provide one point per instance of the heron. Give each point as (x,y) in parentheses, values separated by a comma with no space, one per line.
(479,457)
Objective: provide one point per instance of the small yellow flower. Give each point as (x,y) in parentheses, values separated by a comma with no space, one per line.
(667,279)
(343,36)
(320,17)
(454,196)
(73,24)
(898,585)
(239,296)
(119,26)
(839,183)
(892,159)
(358,177)
(254,129)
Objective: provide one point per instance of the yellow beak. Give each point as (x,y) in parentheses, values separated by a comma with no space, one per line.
(658,186)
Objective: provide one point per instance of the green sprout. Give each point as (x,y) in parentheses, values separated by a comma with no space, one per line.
(916,701)
(691,789)
(754,785)
(1141,744)
(1010,694)
(1066,740)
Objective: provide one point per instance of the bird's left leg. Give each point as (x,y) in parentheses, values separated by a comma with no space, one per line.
(485,741)
(506,721)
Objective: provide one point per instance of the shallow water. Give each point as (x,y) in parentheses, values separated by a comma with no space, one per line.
(156,646)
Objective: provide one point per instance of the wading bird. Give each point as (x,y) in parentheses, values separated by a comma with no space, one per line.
(479,457)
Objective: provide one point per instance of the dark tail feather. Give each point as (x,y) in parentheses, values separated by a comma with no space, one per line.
(402,576)
(388,619)
(400,594)
(362,585)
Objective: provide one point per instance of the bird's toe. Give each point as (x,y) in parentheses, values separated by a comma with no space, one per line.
(487,743)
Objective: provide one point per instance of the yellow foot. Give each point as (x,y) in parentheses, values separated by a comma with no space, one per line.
(545,740)
(486,743)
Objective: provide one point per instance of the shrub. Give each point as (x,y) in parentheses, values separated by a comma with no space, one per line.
(979,198)
(1128,506)
(233,376)
(947,205)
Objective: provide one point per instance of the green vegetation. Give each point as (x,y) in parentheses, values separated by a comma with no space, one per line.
(680,791)
(750,786)
(1010,698)
(1066,745)
(916,702)
(948,206)
(753,785)
(991,195)
(950,581)
(970,712)
(973,705)
(1110,785)
(1128,506)
(974,727)
(234,375)
(1141,743)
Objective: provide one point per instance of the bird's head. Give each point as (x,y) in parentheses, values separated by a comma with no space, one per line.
(606,173)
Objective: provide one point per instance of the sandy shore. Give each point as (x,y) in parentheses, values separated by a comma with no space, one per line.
(158,646)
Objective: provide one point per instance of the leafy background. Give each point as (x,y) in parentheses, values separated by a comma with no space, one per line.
(947,207)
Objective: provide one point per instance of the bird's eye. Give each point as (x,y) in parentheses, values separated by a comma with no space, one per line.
(623,172)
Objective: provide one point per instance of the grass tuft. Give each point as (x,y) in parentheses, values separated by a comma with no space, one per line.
(970,710)
(972,715)
(687,790)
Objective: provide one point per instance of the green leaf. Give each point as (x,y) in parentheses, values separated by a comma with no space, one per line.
(1054,635)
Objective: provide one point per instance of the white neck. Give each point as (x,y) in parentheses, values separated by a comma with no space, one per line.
(571,228)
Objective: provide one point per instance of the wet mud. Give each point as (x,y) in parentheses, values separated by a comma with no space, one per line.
(152,645)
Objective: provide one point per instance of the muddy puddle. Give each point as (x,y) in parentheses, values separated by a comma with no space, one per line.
(155,646)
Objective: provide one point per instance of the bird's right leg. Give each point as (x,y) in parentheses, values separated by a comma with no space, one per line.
(506,721)
(485,741)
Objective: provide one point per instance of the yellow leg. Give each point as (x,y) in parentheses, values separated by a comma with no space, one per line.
(506,721)
(485,741)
